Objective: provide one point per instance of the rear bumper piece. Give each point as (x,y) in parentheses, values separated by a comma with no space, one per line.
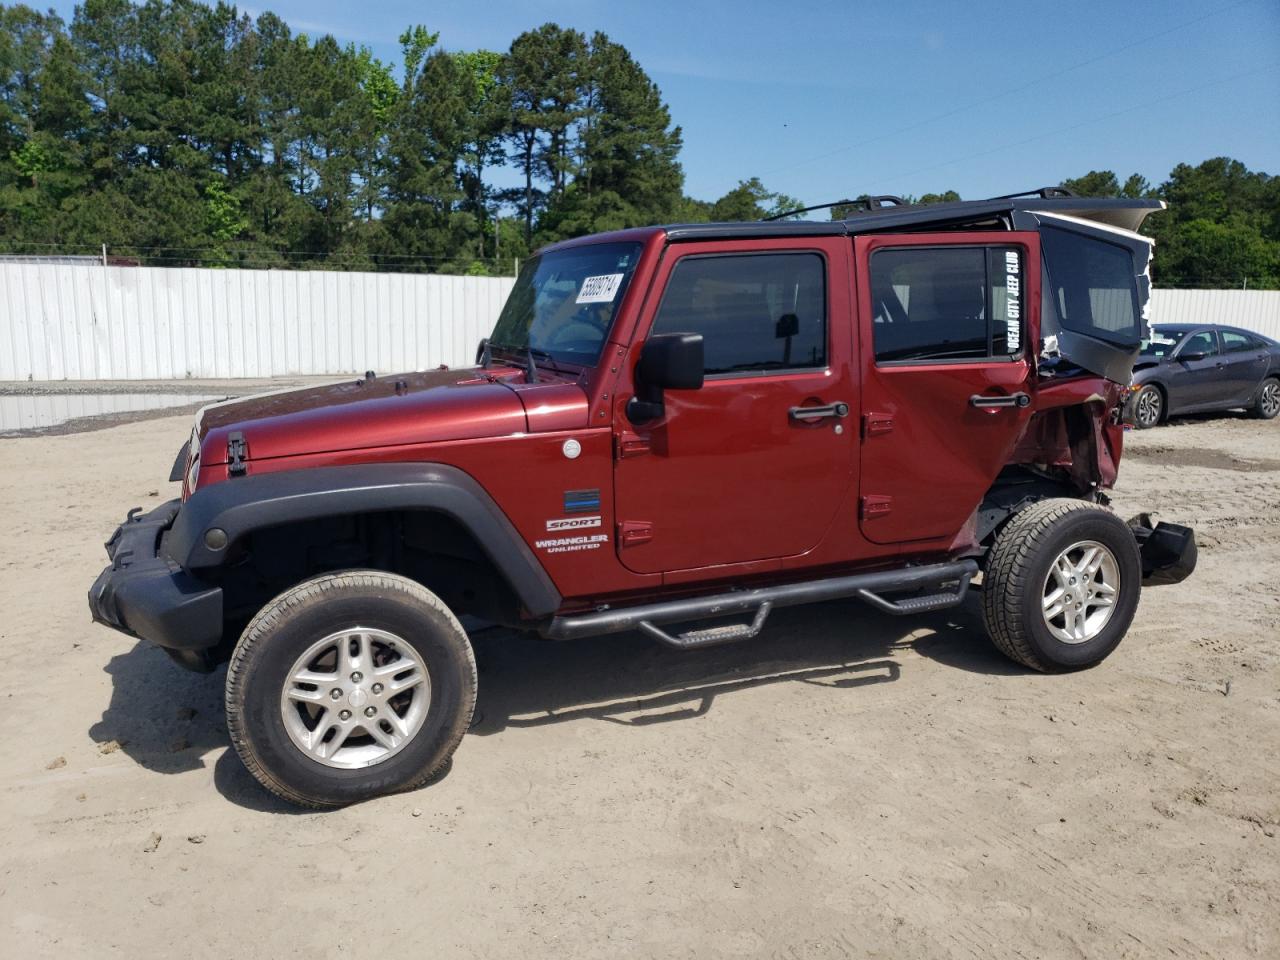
(1168,550)
(146,595)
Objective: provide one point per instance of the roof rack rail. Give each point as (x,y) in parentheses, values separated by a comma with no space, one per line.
(868,203)
(1044,193)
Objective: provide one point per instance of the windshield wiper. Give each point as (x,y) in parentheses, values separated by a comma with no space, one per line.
(525,357)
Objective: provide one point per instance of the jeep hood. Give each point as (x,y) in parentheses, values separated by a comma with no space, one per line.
(397,409)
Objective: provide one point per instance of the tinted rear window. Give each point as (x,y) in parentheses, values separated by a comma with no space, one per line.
(1092,287)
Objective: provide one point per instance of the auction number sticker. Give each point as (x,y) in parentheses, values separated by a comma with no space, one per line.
(601,289)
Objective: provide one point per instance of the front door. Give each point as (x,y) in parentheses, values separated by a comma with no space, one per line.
(946,365)
(1198,373)
(738,471)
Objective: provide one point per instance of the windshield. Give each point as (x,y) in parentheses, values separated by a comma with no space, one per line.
(1161,343)
(563,302)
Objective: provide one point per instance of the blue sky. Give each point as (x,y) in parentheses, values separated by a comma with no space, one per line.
(827,99)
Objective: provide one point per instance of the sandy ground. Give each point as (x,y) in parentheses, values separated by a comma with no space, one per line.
(845,785)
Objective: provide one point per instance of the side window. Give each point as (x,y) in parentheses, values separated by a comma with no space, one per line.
(754,311)
(1092,286)
(1203,342)
(946,303)
(1237,342)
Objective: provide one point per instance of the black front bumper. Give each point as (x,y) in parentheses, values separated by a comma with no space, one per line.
(145,594)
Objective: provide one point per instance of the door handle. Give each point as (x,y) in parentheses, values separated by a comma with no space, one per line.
(814,414)
(1018,400)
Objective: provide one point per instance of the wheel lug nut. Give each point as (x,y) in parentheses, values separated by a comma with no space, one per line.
(335,694)
(370,711)
(357,677)
(344,715)
(377,688)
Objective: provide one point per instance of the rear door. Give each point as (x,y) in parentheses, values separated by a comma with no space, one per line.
(946,373)
(1245,363)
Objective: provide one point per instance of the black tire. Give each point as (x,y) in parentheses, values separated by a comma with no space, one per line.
(1148,407)
(1015,581)
(288,626)
(1267,405)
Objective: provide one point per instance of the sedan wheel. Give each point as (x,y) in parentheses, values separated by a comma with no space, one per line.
(1268,405)
(1148,407)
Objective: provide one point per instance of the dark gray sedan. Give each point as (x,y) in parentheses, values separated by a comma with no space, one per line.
(1190,369)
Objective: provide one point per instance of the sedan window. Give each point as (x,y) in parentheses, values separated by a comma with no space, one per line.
(1233,342)
(1203,342)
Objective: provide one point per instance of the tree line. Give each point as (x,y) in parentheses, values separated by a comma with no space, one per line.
(175,132)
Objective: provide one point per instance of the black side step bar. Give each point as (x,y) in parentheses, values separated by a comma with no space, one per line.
(760,601)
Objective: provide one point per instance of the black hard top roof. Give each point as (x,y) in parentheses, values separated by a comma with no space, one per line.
(1110,211)
(1105,211)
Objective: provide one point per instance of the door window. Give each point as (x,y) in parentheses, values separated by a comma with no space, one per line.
(1203,342)
(1091,286)
(1237,342)
(755,312)
(946,303)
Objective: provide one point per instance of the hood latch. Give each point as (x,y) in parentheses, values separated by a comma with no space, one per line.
(237,454)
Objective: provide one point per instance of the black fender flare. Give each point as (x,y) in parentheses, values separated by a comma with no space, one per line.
(241,505)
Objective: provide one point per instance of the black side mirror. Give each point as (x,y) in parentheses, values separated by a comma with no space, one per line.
(668,361)
(1190,355)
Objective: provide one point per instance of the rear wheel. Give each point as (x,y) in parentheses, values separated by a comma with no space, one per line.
(1267,406)
(1148,407)
(1061,585)
(349,686)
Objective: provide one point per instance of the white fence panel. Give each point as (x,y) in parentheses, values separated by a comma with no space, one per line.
(1257,310)
(87,322)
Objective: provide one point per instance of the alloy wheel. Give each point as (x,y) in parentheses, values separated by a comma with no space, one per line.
(1150,404)
(1080,592)
(355,698)
(1269,402)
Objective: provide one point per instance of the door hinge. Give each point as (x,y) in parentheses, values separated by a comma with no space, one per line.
(632,533)
(629,445)
(237,454)
(875,424)
(876,506)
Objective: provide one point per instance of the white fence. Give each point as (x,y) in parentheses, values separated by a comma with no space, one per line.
(1256,310)
(87,322)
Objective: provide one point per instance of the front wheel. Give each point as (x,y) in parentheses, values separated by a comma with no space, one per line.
(350,686)
(1148,407)
(1061,585)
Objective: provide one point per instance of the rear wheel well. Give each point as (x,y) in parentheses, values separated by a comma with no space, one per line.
(1017,488)
(428,547)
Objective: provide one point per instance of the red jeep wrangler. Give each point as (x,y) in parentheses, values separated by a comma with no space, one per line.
(668,425)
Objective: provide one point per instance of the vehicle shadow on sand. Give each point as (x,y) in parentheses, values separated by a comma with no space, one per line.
(631,680)
(168,720)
